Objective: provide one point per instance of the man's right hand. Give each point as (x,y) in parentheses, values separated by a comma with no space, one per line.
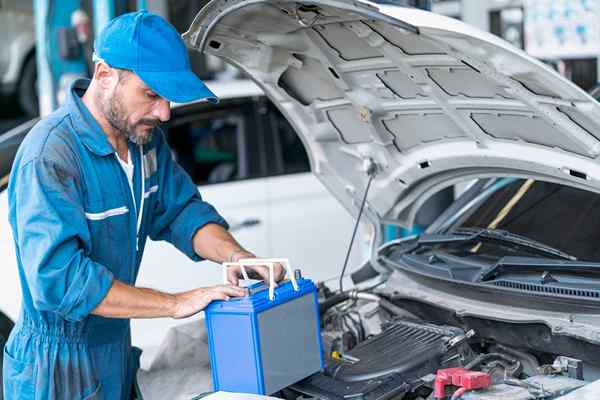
(192,302)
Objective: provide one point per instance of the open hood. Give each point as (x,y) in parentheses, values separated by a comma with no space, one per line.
(423,99)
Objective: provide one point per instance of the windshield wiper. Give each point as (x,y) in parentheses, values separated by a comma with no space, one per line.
(527,264)
(474,235)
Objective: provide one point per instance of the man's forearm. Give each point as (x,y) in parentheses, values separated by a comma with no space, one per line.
(214,243)
(124,301)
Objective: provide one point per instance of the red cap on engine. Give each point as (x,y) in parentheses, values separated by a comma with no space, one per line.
(461,377)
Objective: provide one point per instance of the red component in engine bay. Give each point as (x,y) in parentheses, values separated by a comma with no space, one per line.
(463,378)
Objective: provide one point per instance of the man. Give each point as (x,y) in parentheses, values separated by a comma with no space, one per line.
(89,184)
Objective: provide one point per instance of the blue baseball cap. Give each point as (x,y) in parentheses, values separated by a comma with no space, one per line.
(148,45)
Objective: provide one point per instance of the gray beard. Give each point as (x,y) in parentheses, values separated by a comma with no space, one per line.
(138,139)
(114,113)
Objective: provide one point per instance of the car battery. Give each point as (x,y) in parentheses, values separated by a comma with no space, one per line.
(267,340)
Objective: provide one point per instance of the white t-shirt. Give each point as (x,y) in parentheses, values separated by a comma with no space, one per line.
(128,169)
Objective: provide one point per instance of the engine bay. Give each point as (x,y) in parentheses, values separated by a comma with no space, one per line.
(378,348)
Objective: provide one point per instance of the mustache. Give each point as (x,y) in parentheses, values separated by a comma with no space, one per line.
(148,121)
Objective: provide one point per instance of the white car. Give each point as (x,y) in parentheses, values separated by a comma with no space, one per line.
(249,163)
(399,104)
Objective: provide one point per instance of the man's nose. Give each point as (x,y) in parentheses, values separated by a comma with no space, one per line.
(162,110)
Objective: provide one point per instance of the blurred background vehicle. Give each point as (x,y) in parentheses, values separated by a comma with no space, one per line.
(18,72)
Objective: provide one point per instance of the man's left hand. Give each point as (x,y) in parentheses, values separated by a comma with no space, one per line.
(254,271)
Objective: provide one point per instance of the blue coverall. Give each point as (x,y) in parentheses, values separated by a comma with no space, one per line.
(75,227)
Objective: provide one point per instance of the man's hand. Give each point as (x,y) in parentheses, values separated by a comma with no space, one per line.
(193,301)
(261,272)
(254,271)
(214,243)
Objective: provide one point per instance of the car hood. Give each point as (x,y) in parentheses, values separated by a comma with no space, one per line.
(423,99)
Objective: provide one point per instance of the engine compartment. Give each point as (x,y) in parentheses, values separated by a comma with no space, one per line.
(387,363)
(381,348)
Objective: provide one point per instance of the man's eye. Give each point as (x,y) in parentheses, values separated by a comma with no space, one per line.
(151,95)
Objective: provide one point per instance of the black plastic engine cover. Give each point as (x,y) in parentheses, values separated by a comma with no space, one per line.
(387,364)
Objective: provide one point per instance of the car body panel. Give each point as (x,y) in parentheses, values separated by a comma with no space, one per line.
(584,324)
(11,287)
(428,99)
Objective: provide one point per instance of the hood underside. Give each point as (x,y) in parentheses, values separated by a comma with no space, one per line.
(427,99)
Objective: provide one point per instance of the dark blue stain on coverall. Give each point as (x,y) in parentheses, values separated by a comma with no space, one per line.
(74,225)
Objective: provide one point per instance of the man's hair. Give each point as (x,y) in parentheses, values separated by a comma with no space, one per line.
(121,73)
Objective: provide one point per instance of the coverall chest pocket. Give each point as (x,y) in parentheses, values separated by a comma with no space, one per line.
(18,378)
(110,227)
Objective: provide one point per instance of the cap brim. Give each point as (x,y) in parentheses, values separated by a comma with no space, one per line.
(177,87)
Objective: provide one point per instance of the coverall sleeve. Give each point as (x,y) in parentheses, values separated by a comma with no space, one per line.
(180,210)
(53,238)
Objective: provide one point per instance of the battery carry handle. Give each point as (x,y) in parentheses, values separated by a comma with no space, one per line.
(270,263)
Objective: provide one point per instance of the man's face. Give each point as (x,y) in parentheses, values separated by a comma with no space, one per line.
(133,109)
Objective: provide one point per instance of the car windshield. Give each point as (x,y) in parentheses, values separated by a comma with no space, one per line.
(559,216)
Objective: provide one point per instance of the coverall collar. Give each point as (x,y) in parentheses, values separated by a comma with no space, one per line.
(91,133)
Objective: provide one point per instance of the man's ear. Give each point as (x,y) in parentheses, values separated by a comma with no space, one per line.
(106,76)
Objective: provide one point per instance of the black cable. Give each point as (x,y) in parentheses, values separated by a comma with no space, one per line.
(360,328)
(333,301)
(483,358)
(362,207)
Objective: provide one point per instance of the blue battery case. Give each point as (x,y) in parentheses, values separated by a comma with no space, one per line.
(261,346)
